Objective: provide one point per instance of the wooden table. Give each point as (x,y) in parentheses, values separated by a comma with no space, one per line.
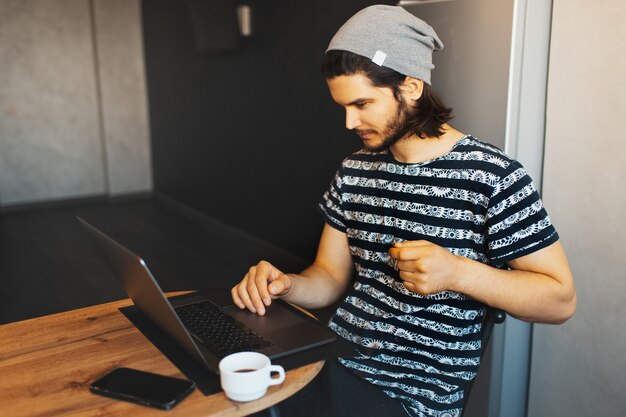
(47,363)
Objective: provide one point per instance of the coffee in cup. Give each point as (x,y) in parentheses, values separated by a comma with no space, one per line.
(245,376)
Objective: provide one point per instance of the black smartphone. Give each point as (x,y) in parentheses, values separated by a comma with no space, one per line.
(143,388)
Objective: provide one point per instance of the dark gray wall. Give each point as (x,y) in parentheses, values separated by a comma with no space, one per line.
(249,136)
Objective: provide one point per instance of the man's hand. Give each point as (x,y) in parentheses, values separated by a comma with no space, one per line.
(262,284)
(424,267)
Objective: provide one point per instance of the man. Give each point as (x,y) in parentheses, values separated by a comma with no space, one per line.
(435,223)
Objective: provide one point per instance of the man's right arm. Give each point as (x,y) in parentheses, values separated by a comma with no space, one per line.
(319,285)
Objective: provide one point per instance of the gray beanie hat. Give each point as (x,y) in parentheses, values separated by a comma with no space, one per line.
(391,37)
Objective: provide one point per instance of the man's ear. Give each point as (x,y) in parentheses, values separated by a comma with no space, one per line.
(412,88)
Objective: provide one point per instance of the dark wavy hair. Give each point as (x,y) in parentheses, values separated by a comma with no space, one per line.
(430,114)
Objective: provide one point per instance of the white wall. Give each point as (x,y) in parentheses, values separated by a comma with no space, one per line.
(73,112)
(579,368)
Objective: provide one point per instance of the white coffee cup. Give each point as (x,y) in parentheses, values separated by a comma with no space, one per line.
(245,376)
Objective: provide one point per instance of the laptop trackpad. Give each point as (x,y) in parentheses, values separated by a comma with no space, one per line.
(276,317)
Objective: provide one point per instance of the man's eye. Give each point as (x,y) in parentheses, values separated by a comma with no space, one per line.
(361,105)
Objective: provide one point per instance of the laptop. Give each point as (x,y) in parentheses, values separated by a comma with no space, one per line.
(207,324)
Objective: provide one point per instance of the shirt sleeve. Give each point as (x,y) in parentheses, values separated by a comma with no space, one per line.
(517,222)
(330,205)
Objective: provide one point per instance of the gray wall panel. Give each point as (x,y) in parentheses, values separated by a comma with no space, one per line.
(471,71)
(49,137)
(472,75)
(73,114)
(578,368)
(123,93)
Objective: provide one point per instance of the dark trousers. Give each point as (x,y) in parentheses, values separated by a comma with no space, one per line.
(336,391)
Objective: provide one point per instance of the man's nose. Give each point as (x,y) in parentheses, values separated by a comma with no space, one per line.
(352,119)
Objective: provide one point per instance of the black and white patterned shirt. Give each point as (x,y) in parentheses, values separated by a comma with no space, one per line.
(476,202)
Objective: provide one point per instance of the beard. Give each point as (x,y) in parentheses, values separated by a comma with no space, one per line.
(396,129)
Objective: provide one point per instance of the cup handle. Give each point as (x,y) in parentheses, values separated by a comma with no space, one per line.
(281,375)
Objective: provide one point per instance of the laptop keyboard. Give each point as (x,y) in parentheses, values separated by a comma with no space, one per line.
(218,331)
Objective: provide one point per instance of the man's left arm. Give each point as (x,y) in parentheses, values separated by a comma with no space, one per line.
(539,287)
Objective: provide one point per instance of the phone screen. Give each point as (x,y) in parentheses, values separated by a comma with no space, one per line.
(143,387)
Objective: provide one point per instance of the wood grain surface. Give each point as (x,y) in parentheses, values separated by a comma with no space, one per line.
(47,364)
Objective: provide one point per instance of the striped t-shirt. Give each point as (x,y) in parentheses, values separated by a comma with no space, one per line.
(474,201)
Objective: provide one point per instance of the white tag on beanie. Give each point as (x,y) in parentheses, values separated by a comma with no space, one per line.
(379,58)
